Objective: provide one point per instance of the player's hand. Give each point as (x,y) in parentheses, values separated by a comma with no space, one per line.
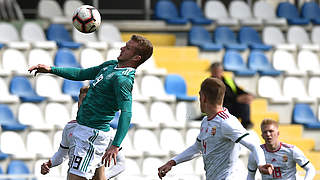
(40,68)
(162,171)
(111,153)
(266,169)
(45,167)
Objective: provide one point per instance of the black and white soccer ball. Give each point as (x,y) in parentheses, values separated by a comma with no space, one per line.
(86,19)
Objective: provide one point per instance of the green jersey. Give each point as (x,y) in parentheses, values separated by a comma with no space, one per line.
(108,93)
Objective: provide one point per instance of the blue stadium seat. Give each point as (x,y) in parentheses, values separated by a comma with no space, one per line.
(3,156)
(303,114)
(249,36)
(72,88)
(189,9)
(166,10)
(65,58)
(258,61)
(16,167)
(291,13)
(199,36)
(311,10)
(8,121)
(114,122)
(224,35)
(58,33)
(176,85)
(232,61)
(21,86)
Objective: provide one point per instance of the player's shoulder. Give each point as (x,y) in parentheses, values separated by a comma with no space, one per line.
(285,145)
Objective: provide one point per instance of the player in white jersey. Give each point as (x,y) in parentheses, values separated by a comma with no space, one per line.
(282,156)
(218,139)
(66,151)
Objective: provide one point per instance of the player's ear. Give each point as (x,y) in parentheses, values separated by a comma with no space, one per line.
(137,58)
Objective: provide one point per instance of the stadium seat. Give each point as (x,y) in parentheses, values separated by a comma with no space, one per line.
(249,36)
(129,149)
(6,97)
(32,32)
(184,171)
(110,34)
(39,56)
(315,35)
(297,35)
(89,40)
(48,86)
(311,10)
(32,142)
(190,10)
(225,36)
(294,87)
(265,11)
(269,87)
(314,87)
(69,7)
(90,57)
(136,94)
(57,139)
(58,33)
(56,114)
(308,61)
(15,62)
(199,166)
(140,116)
(3,156)
(152,148)
(130,173)
(52,11)
(21,86)
(72,88)
(150,166)
(149,67)
(291,13)
(13,144)
(216,11)
(176,85)
(166,10)
(199,36)
(258,61)
(241,10)
(191,136)
(18,167)
(175,144)
(186,112)
(65,58)
(161,112)
(152,86)
(285,61)
(112,54)
(273,36)
(232,61)
(9,35)
(8,120)
(35,119)
(115,121)
(303,114)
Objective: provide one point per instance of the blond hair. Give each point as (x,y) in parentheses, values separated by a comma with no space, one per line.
(269,121)
(144,48)
(214,89)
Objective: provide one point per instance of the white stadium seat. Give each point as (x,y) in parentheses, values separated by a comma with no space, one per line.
(294,87)
(269,87)
(161,112)
(14,61)
(6,97)
(39,56)
(273,36)
(57,114)
(314,87)
(298,35)
(110,34)
(308,61)
(217,11)
(140,116)
(88,39)
(265,11)
(240,10)
(172,140)
(9,35)
(90,57)
(40,144)
(284,61)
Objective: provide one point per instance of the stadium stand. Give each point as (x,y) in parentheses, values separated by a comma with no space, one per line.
(72,88)
(258,61)
(225,36)
(199,36)
(265,11)
(273,36)
(6,97)
(58,33)
(176,85)
(291,13)
(167,10)
(191,11)
(250,37)
(303,114)
(232,61)
(240,10)
(8,120)
(311,10)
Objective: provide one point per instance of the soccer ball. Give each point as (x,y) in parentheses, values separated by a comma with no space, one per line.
(86,19)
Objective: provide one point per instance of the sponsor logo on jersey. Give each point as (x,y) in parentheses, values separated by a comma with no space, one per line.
(273,160)
(213,130)
(285,158)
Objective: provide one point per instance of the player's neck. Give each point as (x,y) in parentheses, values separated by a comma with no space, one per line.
(273,147)
(126,64)
(213,110)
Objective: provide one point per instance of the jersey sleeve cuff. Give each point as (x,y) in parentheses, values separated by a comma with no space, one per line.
(239,139)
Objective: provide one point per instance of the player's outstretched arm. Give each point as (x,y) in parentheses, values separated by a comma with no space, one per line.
(249,142)
(252,167)
(310,171)
(163,170)
(40,68)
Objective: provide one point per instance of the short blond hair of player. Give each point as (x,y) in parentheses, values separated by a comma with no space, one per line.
(282,156)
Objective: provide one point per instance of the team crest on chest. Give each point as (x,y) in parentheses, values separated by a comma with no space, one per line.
(285,158)
(213,130)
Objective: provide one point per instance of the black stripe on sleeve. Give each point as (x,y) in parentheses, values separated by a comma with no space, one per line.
(198,140)
(63,147)
(305,164)
(241,137)
(252,170)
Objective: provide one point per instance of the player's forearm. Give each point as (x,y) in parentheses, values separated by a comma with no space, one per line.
(188,154)
(258,154)
(310,172)
(76,74)
(123,127)
(60,156)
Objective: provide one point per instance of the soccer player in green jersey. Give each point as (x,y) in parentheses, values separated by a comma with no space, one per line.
(110,92)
